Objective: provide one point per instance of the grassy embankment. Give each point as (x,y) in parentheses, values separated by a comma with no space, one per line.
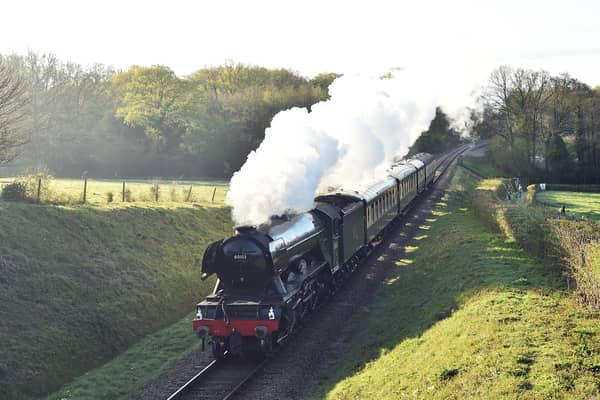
(586,205)
(469,314)
(80,284)
(483,169)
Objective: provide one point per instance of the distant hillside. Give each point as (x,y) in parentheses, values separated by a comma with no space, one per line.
(80,284)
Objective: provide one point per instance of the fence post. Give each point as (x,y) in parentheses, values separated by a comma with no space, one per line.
(84,188)
(213,196)
(189,195)
(123,193)
(39,189)
(156,188)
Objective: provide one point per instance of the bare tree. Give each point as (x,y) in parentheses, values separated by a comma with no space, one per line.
(12,111)
(497,98)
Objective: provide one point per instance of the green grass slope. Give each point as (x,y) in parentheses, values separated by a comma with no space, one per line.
(80,284)
(481,166)
(470,315)
(122,376)
(585,205)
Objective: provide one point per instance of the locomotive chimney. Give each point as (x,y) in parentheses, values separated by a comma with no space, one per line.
(245,229)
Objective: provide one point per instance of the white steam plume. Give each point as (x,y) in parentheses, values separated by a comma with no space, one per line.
(346,141)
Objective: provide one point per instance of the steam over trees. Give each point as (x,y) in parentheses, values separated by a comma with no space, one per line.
(543,127)
(439,138)
(147,121)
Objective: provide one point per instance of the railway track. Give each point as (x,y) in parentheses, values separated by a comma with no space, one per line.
(223,379)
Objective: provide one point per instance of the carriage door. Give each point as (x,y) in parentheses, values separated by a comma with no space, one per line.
(336,245)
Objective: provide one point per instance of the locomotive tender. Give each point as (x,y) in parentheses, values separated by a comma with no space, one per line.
(270,277)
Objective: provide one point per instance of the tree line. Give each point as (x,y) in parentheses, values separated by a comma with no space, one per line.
(143,122)
(543,127)
(439,137)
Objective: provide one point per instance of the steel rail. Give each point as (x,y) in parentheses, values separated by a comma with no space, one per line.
(194,380)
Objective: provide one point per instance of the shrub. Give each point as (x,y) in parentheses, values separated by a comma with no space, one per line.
(27,188)
(40,181)
(485,202)
(15,191)
(529,227)
(579,242)
(110,196)
(128,195)
(531,192)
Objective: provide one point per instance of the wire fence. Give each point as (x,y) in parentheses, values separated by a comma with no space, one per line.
(44,188)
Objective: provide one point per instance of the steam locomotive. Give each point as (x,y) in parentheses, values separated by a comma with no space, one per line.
(270,277)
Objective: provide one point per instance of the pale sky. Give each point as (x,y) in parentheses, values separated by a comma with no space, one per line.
(312,36)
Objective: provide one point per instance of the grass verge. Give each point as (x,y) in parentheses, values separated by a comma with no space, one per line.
(127,372)
(481,166)
(79,285)
(468,314)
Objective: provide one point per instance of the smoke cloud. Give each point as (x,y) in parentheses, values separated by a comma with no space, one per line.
(347,141)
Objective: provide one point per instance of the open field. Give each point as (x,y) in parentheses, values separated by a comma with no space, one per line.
(586,205)
(70,191)
(468,314)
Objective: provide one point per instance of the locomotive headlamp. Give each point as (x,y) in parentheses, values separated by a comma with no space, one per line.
(199,313)
(271,313)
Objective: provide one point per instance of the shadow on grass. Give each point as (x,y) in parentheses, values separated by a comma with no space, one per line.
(451,258)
